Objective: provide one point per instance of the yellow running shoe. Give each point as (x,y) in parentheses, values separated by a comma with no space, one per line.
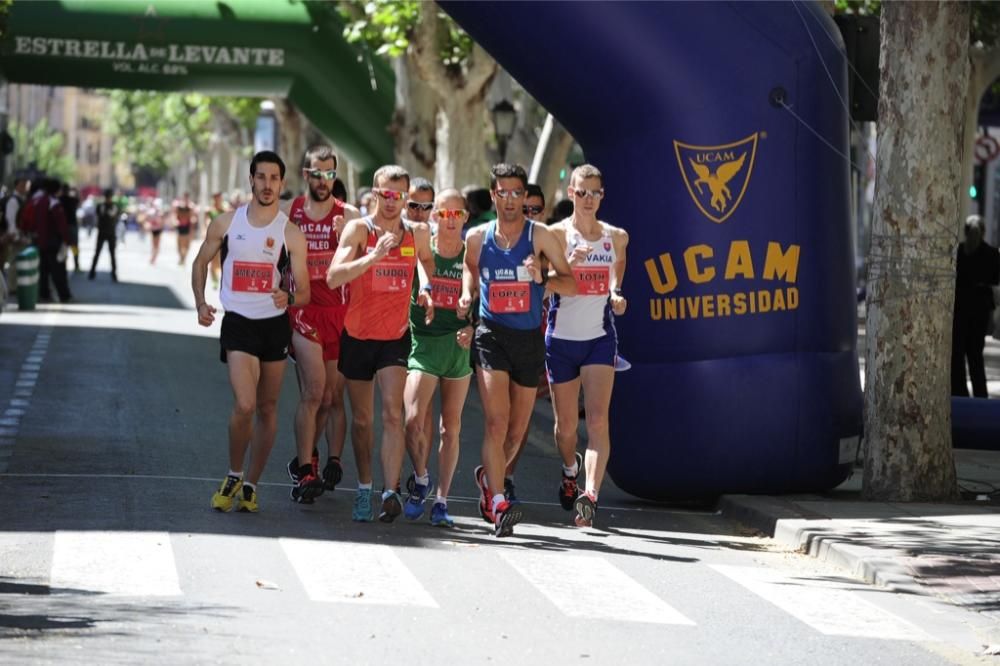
(222,500)
(248,502)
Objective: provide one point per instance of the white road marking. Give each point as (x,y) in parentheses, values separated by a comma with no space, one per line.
(823,605)
(354,573)
(608,594)
(135,564)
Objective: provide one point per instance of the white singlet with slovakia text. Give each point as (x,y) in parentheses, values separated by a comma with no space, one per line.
(587,315)
(253,260)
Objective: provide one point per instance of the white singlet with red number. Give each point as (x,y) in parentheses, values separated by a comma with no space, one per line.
(253,260)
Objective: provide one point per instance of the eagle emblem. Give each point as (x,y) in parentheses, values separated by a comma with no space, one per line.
(717,176)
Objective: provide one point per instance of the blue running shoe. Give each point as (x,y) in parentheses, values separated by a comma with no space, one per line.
(362,511)
(440,517)
(415,502)
(391,506)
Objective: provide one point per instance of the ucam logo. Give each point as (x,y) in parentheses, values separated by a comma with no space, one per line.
(717,177)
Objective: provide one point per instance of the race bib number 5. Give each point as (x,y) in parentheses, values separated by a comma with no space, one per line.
(318,263)
(445,292)
(253,277)
(391,276)
(591,280)
(509,297)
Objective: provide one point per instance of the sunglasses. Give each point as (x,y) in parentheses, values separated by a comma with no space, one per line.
(533,210)
(447,214)
(416,205)
(319,173)
(391,195)
(590,194)
(508,194)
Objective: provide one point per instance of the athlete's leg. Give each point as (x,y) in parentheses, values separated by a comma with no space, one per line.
(266,428)
(566,409)
(391,382)
(494,391)
(598,381)
(312,380)
(361,393)
(453,394)
(417,396)
(244,374)
(335,419)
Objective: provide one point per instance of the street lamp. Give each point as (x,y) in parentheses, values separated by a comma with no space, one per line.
(265,135)
(504,118)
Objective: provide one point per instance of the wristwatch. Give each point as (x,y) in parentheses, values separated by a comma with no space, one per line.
(617,292)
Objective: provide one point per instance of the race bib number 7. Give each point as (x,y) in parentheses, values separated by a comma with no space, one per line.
(253,277)
(318,263)
(445,292)
(509,297)
(591,280)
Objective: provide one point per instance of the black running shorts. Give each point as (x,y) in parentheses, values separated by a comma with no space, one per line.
(267,339)
(361,359)
(519,353)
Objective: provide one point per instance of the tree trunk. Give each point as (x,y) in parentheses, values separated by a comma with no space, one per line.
(415,121)
(461,137)
(550,157)
(291,142)
(924,71)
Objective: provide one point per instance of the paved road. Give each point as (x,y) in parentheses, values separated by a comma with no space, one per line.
(112,440)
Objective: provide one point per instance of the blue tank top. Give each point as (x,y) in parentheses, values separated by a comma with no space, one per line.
(507,294)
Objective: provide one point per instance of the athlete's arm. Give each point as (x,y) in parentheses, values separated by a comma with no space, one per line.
(199,270)
(345,267)
(425,268)
(297,248)
(561,278)
(340,221)
(470,271)
(619,237)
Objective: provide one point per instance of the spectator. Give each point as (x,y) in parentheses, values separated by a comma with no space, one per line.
(977,269)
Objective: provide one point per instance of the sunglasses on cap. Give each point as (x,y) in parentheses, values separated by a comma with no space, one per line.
(448,214)
(321,174)
(533,210)
(416,205)
(590,194)
(390,195)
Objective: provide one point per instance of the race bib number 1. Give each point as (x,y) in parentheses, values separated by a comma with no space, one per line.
(253,277)
(591,280)
(318,263)
(509,297)
(445,292)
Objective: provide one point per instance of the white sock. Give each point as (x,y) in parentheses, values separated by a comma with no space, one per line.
(497,499)
(386,493)
(443,501)
(238,475)
(364,486)
(422,480)
(571,471)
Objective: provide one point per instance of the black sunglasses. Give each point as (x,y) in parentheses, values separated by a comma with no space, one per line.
(532,210)
(416,205)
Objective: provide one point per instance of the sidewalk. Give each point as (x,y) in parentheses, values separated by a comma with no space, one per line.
(944,551)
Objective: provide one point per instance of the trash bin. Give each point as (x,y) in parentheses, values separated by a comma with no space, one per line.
(26,265)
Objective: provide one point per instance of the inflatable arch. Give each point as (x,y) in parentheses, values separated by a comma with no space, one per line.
(237,47)
(720,129)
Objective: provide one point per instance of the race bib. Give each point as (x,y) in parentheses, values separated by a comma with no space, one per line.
(391,276)
(591,280)
(318,263)
(509,297)
(253,277)
(445,292)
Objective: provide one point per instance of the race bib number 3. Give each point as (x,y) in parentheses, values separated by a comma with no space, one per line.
(253,277)
(591,280)
(445,292)
(509,297)
(391,276)
(318,263)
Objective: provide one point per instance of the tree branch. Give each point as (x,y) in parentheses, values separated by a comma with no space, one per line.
(423,51)
(482,69)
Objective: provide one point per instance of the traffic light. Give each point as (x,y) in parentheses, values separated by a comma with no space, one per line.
(978,186)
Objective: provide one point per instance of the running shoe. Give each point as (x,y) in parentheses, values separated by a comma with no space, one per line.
(362,511)
(411,482)
(507,515)
(332,473)
(415,502)
(440,517)
(223,498)
(248,502)
(485,503)
(568,490)
(308,487)
(586,508)
(508,489)
(315,462)
(391,506)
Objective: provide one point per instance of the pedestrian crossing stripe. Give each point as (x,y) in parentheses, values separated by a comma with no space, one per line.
(135,564)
